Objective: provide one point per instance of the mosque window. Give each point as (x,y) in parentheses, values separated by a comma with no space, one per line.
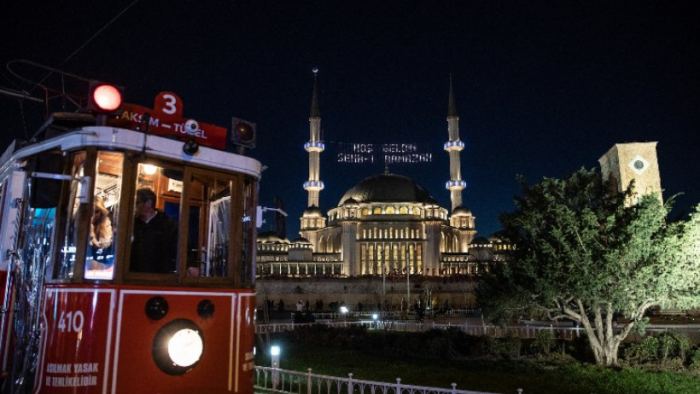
(377,211)
(416,211)
(390,210)
(365,211)
(403,210)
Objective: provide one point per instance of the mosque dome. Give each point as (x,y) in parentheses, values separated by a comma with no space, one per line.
(386,188)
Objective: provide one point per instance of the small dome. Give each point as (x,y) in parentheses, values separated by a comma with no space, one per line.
(461,211)
(271,237)
(350,202)
(301,241)
(430,202)
(480,241)
(313,212)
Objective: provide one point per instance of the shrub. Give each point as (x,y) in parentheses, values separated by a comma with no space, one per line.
(544,342)
(695,359)
(673,344)
(484,346)
(510,346)
(669,347)
(642,352)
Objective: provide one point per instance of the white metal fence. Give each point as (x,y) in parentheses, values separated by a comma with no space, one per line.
(284,381)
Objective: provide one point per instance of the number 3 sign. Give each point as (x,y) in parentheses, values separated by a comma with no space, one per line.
(169,104)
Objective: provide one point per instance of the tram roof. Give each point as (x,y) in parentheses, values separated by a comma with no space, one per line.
(115,138)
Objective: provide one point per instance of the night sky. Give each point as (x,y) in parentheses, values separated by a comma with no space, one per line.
(542,88)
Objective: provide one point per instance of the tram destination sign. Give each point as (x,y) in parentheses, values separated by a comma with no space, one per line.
(390,153)
(165,119)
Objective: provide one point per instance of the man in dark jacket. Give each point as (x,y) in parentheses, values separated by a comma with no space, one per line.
(154,243)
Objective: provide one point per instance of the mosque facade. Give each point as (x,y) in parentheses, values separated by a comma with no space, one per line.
(385,225)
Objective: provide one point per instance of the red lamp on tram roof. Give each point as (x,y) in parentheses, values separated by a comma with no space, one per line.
(104,99)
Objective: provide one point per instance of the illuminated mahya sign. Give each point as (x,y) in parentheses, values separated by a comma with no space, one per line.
(399,153)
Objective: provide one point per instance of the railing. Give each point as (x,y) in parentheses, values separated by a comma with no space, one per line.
(387,314)
(284,381)
(526,331)
(404,326)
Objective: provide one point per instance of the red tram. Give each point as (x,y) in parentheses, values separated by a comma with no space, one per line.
(84,307)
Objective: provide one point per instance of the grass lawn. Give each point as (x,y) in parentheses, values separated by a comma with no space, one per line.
(486,375)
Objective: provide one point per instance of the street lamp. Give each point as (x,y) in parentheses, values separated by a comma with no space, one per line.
(275,357)
(344,311)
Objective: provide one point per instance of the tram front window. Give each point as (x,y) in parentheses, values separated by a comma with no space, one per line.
(103,222)
(187,220)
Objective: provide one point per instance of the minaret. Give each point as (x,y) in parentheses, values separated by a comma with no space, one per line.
(453,146)
(314,185)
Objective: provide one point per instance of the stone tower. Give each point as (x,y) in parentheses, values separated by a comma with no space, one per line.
(633,161)
(453,147)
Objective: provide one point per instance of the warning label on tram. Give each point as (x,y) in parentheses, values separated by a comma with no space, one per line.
(71,381)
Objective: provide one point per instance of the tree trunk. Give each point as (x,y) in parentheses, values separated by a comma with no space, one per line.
(602,339)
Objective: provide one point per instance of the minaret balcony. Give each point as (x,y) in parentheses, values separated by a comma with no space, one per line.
(454,145)
(455,185)
(314,146)
(313,185)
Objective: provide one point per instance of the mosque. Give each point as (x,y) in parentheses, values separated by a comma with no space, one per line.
(388,239)
(386,225)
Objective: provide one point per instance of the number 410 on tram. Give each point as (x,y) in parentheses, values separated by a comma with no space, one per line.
(127,261)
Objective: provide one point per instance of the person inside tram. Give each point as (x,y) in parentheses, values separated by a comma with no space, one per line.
(154,242)
(100,235)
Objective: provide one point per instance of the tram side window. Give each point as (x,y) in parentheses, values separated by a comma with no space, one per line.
(103,223)
(249,208)
(70,241)
(154,240)
(209,226)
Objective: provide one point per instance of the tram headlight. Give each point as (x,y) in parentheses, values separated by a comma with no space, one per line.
(178,346)
(185,347)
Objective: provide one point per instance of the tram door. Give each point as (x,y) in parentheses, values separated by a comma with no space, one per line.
(29,208)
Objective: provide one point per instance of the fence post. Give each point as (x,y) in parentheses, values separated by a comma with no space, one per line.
(454,388)
(308,382)
(275,376)
(350,383)
(520,391)
(398,386)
